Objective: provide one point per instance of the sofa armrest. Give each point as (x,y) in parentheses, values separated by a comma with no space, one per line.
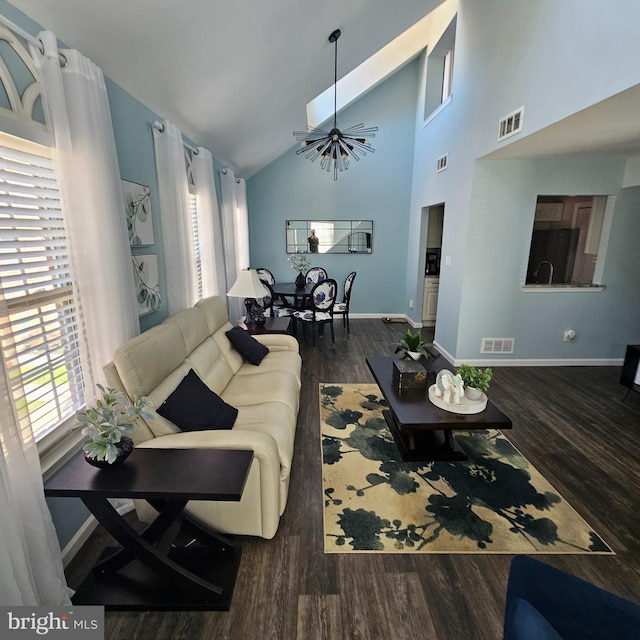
(264,447)
(279,342)
(265,458)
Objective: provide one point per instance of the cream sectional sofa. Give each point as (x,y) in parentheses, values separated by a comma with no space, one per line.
(266,396)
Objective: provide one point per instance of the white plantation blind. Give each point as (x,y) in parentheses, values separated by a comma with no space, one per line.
(38,330)
(197,256)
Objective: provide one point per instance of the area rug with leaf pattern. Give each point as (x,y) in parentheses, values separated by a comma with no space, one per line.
(495,502)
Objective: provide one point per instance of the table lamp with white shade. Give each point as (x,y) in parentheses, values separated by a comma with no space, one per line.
(249,287)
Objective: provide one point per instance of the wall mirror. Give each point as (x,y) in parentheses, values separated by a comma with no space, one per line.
(329,236)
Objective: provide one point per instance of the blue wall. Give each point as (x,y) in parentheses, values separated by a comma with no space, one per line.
(132,123)
(377,188)
(510,54)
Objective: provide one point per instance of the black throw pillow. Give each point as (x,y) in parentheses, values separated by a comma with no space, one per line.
(247,346)
(194,407)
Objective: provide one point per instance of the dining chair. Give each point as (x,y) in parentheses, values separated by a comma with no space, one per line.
(268,279)
(342,308)
(271,308)
(265,275)
(323,298)
(315,274)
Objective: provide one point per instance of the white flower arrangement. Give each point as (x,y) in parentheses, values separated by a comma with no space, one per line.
(299,261)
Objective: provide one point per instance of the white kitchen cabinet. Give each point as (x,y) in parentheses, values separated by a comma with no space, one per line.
(430,301)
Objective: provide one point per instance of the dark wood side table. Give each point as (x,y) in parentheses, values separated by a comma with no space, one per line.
(630,376)
(153,570)
(271,325)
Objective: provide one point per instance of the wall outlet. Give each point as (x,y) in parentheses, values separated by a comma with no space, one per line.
(411,303)
(569,335)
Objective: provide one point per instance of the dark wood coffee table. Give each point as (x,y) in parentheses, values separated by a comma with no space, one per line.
(154,569)
(422,431)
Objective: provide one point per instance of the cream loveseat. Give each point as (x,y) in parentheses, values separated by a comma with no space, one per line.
(267,397)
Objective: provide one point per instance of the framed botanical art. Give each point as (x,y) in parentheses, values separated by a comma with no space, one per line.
(137,199)
(145,273)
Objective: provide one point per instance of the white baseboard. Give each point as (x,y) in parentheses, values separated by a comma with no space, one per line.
(503,362)
(531,362)
(86,529)
(79,539)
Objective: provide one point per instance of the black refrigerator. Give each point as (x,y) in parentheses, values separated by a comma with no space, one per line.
(555,246)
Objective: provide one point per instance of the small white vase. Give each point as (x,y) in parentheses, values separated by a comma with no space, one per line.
(415,354)
(472,393)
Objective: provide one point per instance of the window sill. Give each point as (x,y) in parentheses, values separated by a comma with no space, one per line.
(60,453)
(564,288)
(441,107)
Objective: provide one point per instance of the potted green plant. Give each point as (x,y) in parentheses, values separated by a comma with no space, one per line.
(105,421)
(476,381)
(413,345)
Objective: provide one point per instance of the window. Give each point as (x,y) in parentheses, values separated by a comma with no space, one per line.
(193,211)
(38,328)
(439,72)
(447,75)
(566,240)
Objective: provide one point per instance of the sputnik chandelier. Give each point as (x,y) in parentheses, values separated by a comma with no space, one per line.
(335,147)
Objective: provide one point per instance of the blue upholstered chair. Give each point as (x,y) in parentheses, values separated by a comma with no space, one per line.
(323,297)
(544,603)
(342,308)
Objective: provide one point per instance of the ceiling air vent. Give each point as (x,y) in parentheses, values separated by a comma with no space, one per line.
(497,345)
(511,124)
(442,163)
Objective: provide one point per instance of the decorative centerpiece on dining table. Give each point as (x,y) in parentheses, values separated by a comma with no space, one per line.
(104,424)
(301,263)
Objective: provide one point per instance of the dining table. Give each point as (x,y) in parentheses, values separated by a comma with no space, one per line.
(289,290)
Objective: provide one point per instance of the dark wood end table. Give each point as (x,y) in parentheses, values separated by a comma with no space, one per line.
(422,431)
(153,570)
(271,325)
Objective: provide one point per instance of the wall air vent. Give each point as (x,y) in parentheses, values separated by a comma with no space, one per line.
(511,124)
(497,345)
(442,163)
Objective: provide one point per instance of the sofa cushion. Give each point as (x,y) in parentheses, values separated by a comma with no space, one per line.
(277,362)
(247,346)
(193,327)
(146,360)
(194,407)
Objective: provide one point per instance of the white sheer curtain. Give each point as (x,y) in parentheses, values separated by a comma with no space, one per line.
(209,228)
(235,230)
(242,225)
(31,570)
(93,204)
(173,191)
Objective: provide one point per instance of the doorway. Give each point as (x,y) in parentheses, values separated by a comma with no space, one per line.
(435,224)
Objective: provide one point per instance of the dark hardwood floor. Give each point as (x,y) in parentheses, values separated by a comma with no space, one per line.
(570,422)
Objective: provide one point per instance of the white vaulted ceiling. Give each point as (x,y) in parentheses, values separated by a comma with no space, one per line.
(235,76)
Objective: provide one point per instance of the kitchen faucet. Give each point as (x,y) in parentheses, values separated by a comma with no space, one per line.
(535,273)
